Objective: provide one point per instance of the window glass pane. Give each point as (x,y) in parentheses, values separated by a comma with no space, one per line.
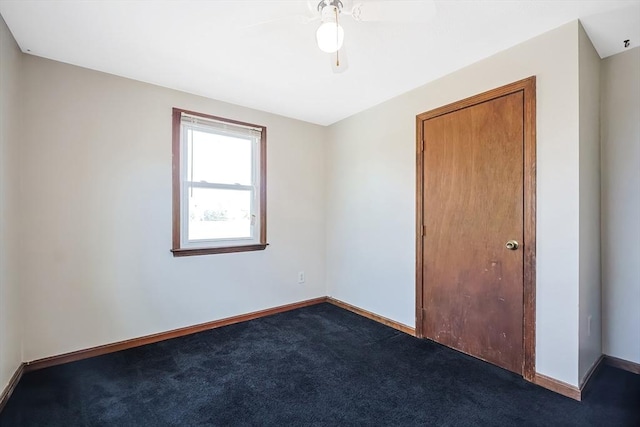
(218,159)
(219,214)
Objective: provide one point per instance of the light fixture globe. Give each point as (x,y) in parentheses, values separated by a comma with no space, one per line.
(330,37)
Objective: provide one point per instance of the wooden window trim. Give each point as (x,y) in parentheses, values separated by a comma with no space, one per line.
(176,248)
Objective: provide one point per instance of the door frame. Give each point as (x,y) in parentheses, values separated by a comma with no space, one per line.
(528,87)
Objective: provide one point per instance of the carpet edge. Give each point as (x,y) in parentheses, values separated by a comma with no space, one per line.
(375,317)
(162,336)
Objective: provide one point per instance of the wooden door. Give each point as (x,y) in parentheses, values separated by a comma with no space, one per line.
(473,203)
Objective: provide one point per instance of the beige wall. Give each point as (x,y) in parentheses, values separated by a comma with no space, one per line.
(96,214)
(620,82)
(10,309)
(590,320)
(371,193)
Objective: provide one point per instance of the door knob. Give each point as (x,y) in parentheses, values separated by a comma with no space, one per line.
(512,245)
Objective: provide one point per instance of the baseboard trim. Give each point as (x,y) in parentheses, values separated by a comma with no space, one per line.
(584,385)
(557,386)
(162,336)
(549,383)
(627,365)
(13,382)
(376,317)
(568,390)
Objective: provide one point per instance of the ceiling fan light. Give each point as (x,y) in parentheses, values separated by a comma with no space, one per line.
(330,37)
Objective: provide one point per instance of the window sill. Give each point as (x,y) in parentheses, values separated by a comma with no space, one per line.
(222,250)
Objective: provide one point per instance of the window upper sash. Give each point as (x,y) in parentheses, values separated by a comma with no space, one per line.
(219,127)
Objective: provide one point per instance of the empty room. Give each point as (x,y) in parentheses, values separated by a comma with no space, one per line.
(319,212)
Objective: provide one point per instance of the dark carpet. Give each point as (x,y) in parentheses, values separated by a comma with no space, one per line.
(319,365)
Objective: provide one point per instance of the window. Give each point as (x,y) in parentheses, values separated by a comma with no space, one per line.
(219,185)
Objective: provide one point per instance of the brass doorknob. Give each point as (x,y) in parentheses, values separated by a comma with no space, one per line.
(512,245)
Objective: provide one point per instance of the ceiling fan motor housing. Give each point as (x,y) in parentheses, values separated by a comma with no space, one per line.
(333,3)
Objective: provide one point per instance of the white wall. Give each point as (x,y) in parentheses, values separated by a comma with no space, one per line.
(371,193)
(95,206)
(96,214)
(620,82)
(590,283)
(10,325)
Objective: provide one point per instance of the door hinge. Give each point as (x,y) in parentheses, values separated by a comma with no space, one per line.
(421,145)
(424,230)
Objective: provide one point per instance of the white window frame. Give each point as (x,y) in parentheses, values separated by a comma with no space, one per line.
(185,121)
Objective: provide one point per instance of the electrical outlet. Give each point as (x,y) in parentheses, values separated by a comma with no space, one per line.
(301,277)
(589,325)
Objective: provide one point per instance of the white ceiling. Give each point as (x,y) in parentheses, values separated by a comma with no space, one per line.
(225,50)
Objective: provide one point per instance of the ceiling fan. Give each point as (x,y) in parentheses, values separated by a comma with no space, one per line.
(330,35)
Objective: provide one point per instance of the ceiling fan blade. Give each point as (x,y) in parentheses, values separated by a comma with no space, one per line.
(393,11)
(339,61)
(284,20)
